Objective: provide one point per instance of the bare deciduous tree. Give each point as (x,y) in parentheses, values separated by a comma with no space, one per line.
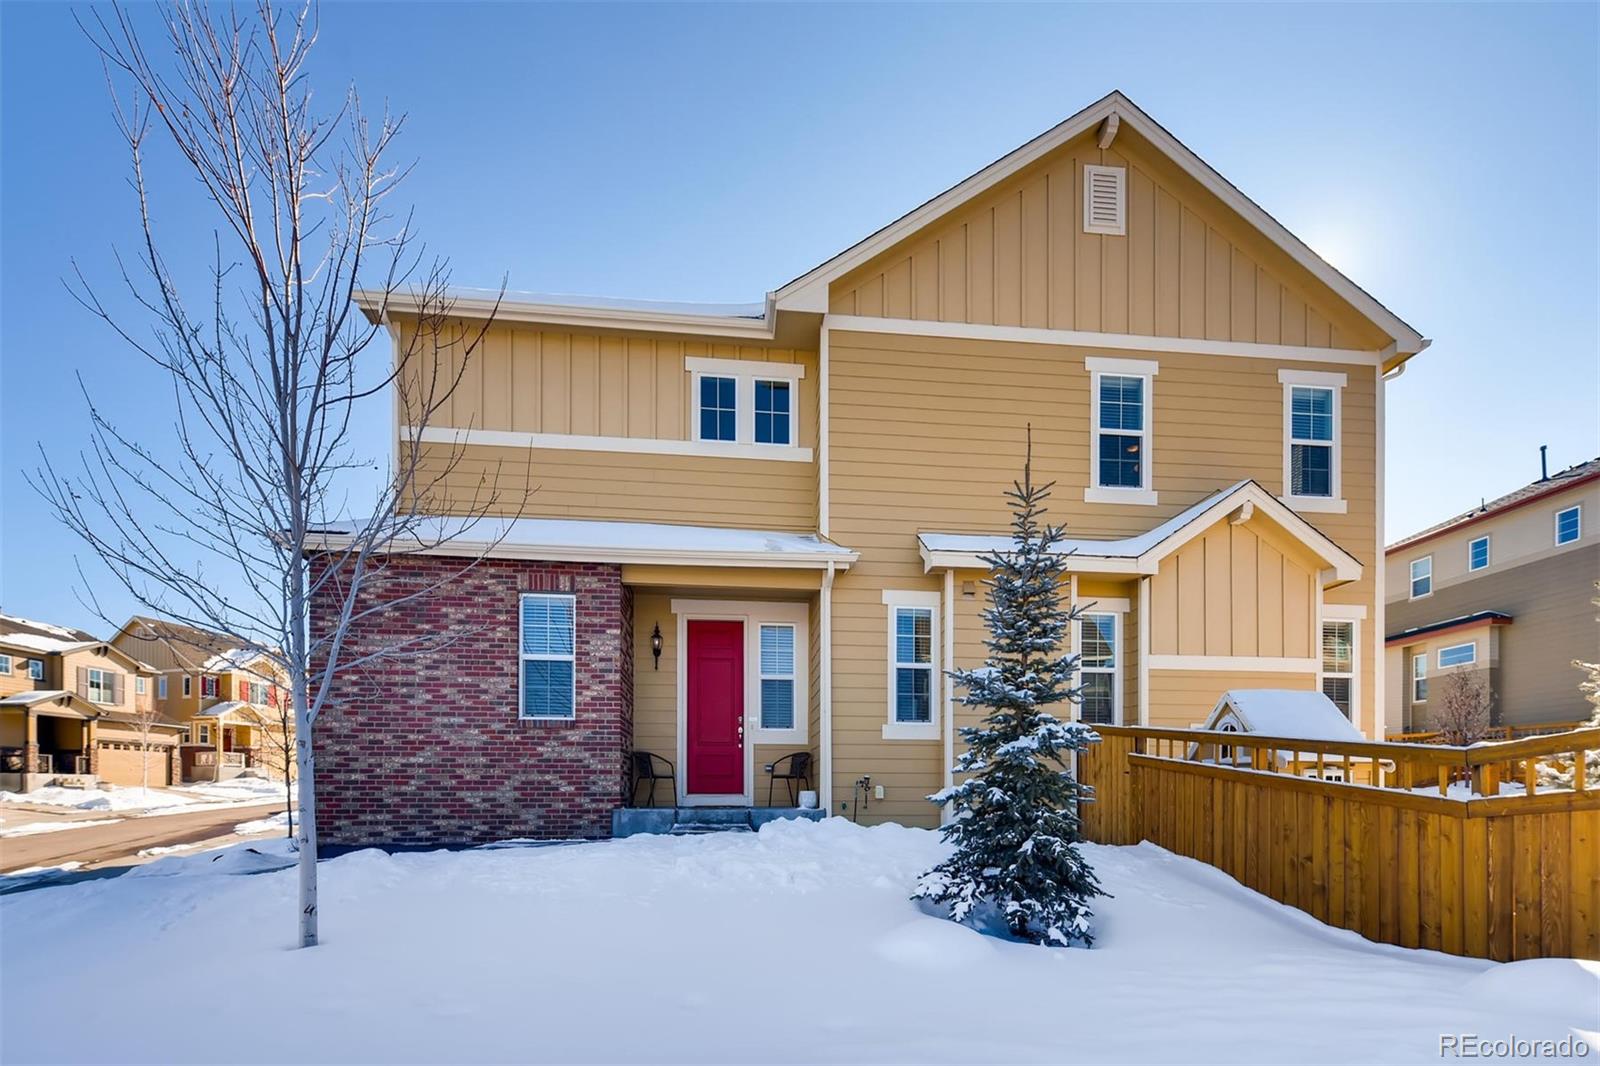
(143,718)
(263,505)
(1462,704)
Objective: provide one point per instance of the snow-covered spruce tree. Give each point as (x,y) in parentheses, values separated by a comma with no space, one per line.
(1565,776)
(1015,823)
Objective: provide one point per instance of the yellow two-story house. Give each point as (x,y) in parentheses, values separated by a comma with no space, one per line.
(747,542)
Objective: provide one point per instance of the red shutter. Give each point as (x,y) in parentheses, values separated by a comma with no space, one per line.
(272,695)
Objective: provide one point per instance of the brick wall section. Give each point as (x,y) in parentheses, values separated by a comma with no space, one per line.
(429,749)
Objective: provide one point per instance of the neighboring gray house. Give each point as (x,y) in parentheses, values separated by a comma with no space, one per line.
(1505,588)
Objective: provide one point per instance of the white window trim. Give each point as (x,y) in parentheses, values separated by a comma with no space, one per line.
(161,687)
(5,664)
(1352,613)
(524,656)
(1147,369)
(893,599)
(745,372)
(1334,503)
(214,683)
(754,614)
(1411,577)
(1438,655)
(1419,660)
(793,675)
(139,686)
(1556,527)
(1488,553)
(204,736)
(188,686)
(36,669)
(1116,609)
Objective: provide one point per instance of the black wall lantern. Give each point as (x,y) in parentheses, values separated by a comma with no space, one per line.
(655,644)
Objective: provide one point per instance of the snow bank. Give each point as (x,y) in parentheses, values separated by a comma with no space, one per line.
(276,823)
(795,942)
(112,798)
(240,789)
(35,828)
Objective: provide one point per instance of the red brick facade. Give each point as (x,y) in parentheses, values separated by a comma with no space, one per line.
(430,749)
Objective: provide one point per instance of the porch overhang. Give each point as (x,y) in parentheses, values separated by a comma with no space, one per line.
(564,540)
(1142,554)
(52,703)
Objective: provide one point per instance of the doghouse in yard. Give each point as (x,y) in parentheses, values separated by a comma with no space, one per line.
(1291,715)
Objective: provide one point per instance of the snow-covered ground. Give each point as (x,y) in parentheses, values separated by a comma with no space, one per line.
(34,828)
(794,944)
(196,797)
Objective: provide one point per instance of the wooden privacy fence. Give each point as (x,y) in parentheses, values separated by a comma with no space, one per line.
(1406,860)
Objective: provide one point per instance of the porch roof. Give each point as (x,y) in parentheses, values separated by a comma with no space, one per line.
(1143,552)
(39,701)
(221,710)
(578,540)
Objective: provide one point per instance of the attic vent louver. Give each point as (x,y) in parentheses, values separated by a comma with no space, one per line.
(1105,200)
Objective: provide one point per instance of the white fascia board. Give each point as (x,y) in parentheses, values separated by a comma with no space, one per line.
(568,553)
(376,302)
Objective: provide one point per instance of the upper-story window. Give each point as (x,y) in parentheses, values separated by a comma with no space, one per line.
(1120,422)
(5,664)
(208,687)
(161,687)
(100,686)
(1569,525)
(1478,553)
(745,402)
(1421,577)
(1311,441)
(772,412)
(36,669)
(188,686)
(139,685)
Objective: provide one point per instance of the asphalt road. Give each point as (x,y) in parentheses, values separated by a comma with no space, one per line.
(120,843)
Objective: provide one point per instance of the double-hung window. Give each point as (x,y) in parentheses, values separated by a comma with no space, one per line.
(1419,678)
(256,692)
(208,687)
(36,669)
(913,665)
(547,676)
(1102,698)
(205,733)
(161,687)
(1421,577)
(1569,525)
(777,676)
(139,685)
(1120,395)
(1478,553)
(5,664)
(1311,439)
(188,686)
(1338,664)
(1458,655)
(749,406)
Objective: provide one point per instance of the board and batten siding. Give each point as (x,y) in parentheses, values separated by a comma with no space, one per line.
(927,432)
(527,379)
(1183,698)
(1187,266)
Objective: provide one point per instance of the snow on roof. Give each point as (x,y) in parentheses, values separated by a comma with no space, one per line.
(1277,712)
(1122,548)
(232,659)
(50,645)
(641,542)
(38,695)
(45,628)
(222,710)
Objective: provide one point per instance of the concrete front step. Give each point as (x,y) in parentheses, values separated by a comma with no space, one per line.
(690,821)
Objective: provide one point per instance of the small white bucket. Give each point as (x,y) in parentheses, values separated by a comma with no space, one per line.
(808,800)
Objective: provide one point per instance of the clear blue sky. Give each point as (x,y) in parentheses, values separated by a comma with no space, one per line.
(1445,157)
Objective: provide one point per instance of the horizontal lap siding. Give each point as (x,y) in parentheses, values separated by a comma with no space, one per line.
(1187,267)
(620,486)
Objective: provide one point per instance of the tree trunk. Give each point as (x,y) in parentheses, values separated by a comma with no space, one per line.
(305,759)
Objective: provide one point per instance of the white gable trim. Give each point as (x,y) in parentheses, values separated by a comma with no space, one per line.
(809,292)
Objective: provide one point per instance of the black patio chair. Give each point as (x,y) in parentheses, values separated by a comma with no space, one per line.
(645,769)
(799,769)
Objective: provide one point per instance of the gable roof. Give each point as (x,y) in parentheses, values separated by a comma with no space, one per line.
(1142,553)
(1290,713)
(1561,481)
(190,645)
(809,291)
(15,625)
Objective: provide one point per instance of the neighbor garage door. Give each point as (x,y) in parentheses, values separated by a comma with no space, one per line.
(122,764)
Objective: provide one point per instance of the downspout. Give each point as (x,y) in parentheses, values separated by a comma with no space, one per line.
(822,430)
(825,742)
(1144,650)
(949,687)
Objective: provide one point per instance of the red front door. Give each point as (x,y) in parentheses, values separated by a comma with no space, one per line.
(716,708)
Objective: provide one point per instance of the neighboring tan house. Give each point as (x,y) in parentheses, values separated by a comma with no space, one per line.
(759,531)
(74,708)
(1507,589)
(228,701)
